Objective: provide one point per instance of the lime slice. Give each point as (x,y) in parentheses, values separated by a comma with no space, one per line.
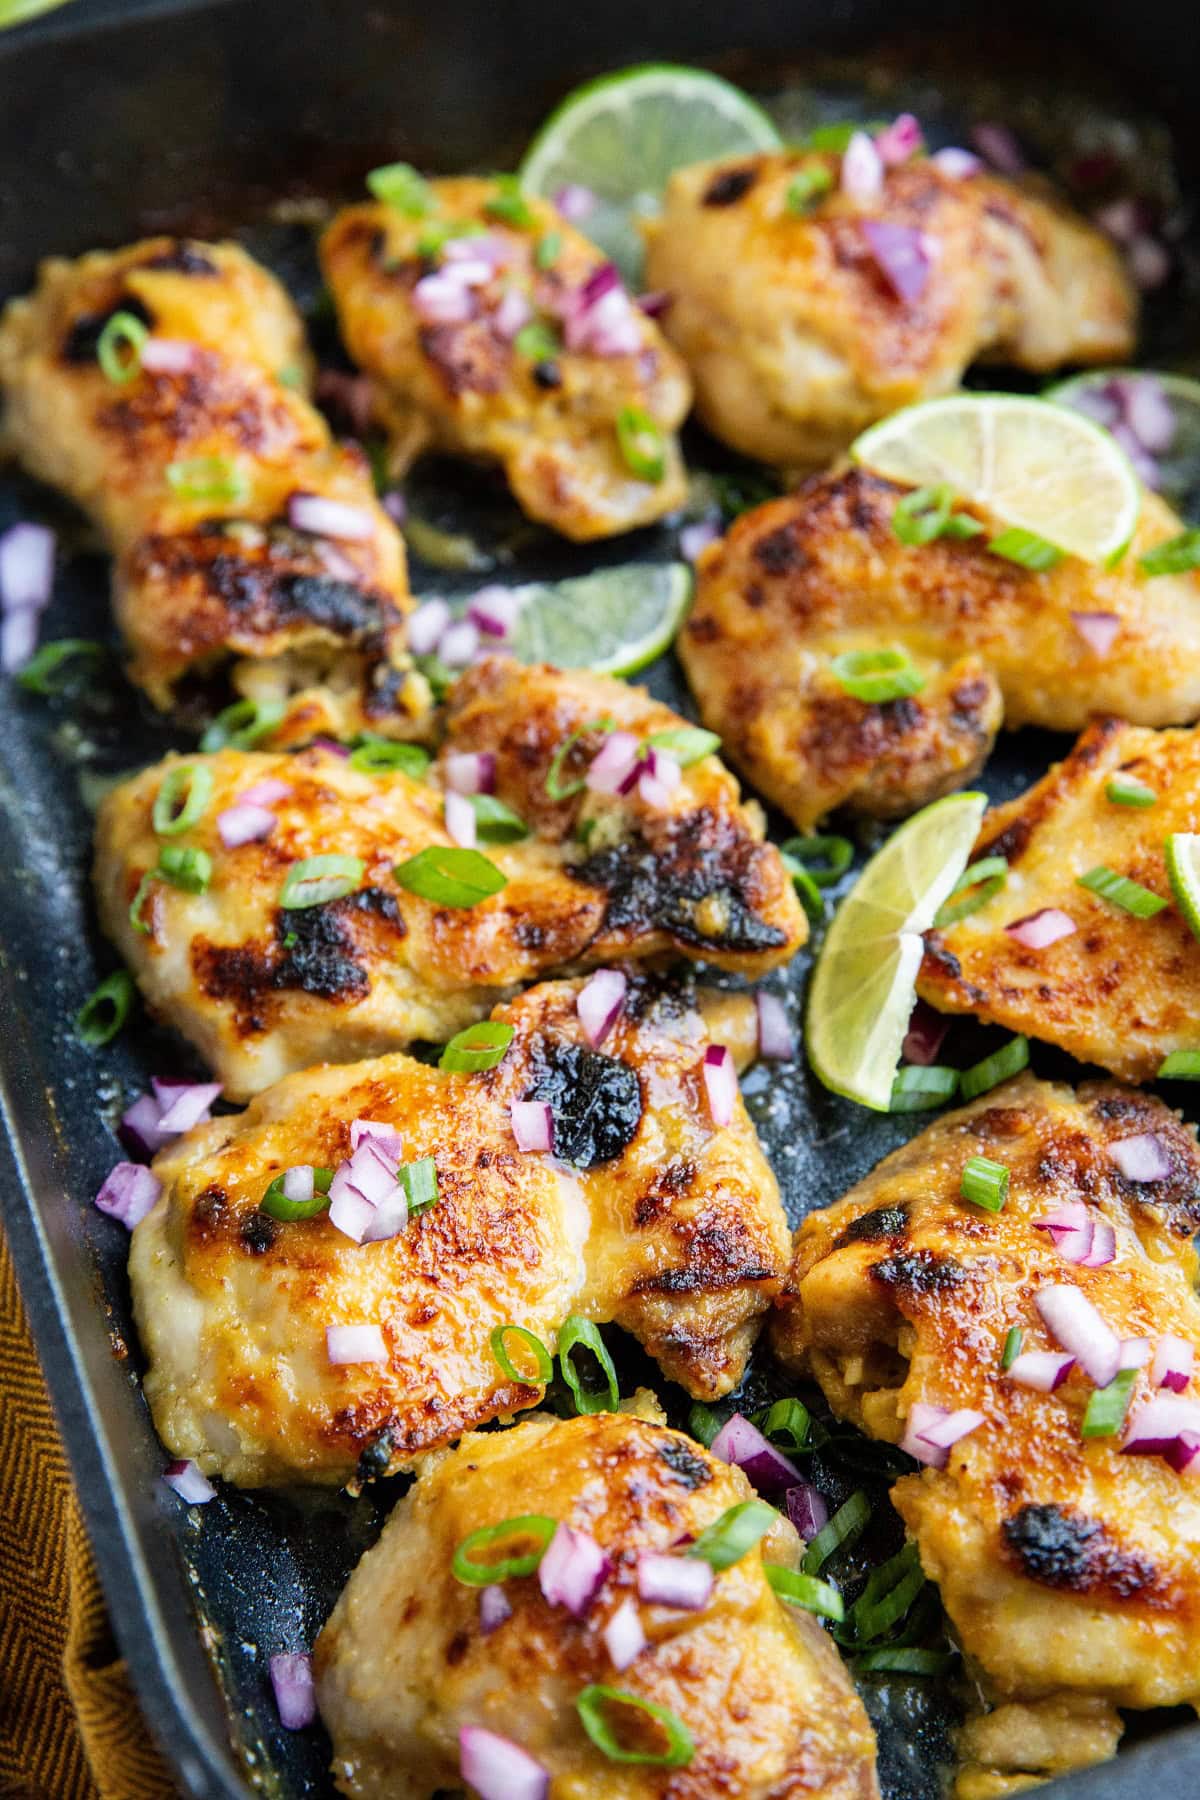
(1182,851)
(1026,461)
(623,135)
(1178,473)
(865,979)
(614,621)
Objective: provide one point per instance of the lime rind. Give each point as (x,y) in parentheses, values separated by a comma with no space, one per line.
(1182,854)
(613,621)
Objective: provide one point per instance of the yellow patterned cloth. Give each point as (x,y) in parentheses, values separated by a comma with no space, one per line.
(70,1728)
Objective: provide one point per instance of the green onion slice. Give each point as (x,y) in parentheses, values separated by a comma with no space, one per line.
(549,249)
(703,1423)
(382,756)
(276,1203)
(555,786)
(904,1660)
(438,233)
(1107,1406)
(243,724)
(1013,1340)
(985,1183)
(846,1524)
(580,1332)
(105,1010)
(928,513)
(1127,790)
(890,1591)
(641,443)
(811,897)
(1010,1059)
(508,203)
(592,1705)
(119,347)
(876,676)
(50,671)
(399,185)
(787,1422)
(543,1364)
(738,1529)
(805,1590)
(807,185)
(978,883)
(477,1047)
(320,878)
(182,798)
(1026,548)
(496,823)
(1175,557)
(139,901)
(1130,896)
(918,1088)
(1181,1065)
(207,478)
(185,867)
(420,1183)
(825,859)
(686,743)
(509,1532)
(449,876)
(537,341)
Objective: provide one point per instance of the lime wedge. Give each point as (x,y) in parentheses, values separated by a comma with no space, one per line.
(1026,461)
(1178,463)
(623,135)
(613,621)
(1182,851)
(865,979)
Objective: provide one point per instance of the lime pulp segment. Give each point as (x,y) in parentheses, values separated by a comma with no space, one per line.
(614,621)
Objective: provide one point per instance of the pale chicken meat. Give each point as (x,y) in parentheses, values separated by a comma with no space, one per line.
(796,335)
(191,466)
(264,982)
(404,1664)
(821,574)
(1070,1569)
(491,328)
(647,1214)
(1111,987)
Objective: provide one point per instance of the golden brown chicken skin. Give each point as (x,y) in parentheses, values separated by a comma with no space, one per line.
(793,336)
(189,472)
(1118,990)
(403,1664)
(648,1214)
(802,580)
(264,988)
(1070,1571)
(473,384)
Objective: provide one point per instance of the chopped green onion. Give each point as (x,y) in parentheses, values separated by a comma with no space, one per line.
(928,513)
(41,673)
(139,900)
(182,797)
(439,232)
(399,185)
(846,1524)
(787,1422)
(686,743)
(985,1183)
(496,823)
(105,1010)
(578,1331)
(1175,557)
(509,203)
(277,1205)
(440,678)
(903,1660)
(290,376)
(703,1423)
(590,1706)
(478,1047)
(320,878)
(243,724)
(382,756)
(809,182)
(641,443)
(549,249)
(811,897)
(805,1590)
(1025,548)
(876,676)
(738,1529)
(978,883)
(544,1366)
(826,859)
(119,347)
(1127,790)
(1130,896)
(563,790)
(1010,1059)
(185,867)
(921,1088)
(1014,1338)
(890,1591)
(834,137)
(509,1568)
(1181,1065)
(449,876)
(537,341)
(207,478)
(420,1183)
(1107,1406)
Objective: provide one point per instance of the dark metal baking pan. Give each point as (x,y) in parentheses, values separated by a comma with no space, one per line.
(120,118)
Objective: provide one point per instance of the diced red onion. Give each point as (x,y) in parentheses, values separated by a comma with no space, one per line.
(489,247)
(189,1107)
(572,1570)
(604,279)
(349,1212)
(1099,403)
(862,169)
(26,567)
(695,538)
(497,1768)
(1097,629)
(460,820)
(574,201)
(921,1419)
(266,793)
(624,1638)
(167,356)
(189,1483)
(394,505)
(1042,1370)
(298,1184)
(331,747)
(470,771)
(129,1192)
(495,610)
(1120,219)
(1172,1365)
(532,1124)
(426,625)
(355,1344)
(459,644)
(333,561)
(682,1582)
(1136,1352)
(807,1509)
(599,1004)
(494,1608)
(899,142)
(1149,263)
(1145,466)
(655,305)
(957,164)
(323,517)
(243,824)
(469,271)
(663,768)
(18,638)
(1148,412)
(721,1083)
(654,793)
(388,1217)
(944,1433)
(295,1697)
(1040,929)
(614,763)
(999,146)
(1073,1228)
(381,1133)
(1141,1158)
(513,312)
(372,1171)
(606,326)
(1103,1247)
(775,1040)
(902,257)
(741,1443)
(140,1126)
(440,300)
(925,1035)
(1160,1426)
(1070,1317)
